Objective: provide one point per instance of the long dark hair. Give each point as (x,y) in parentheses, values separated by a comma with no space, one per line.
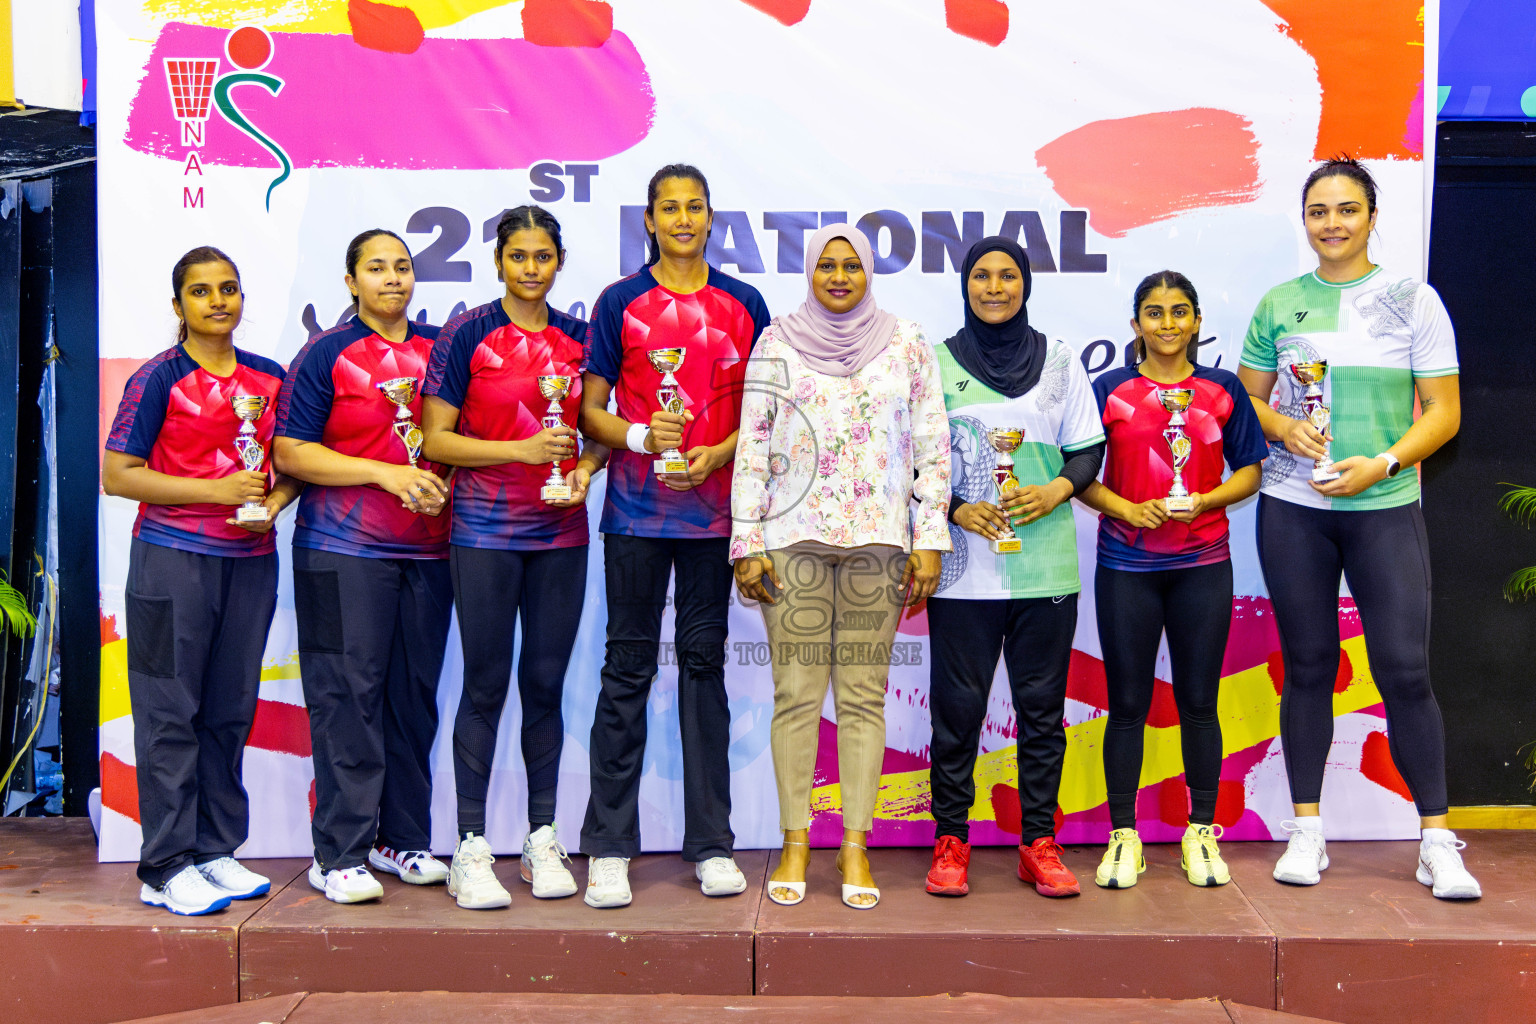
(527,218)
(190,259)
(355,250)
(1342,166)
(1171,279)
(686,172)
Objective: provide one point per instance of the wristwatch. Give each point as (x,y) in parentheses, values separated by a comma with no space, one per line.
(1393,466)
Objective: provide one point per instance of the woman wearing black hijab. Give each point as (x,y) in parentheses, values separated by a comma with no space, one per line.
(1007,590)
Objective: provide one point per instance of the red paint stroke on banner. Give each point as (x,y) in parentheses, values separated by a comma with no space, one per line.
(119,786)
(466,106)
(985,21)
(1132,171)
(384,27)
(1376,765)
(109,633)
(1369,74)
(567,22)
(787,12)
(281,727)
(913,620)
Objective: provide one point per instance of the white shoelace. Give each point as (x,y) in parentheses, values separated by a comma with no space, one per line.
(1449,853)
(1303,839)
(608,872)
(547,855)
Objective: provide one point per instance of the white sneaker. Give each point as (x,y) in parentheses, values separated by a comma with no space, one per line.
(238,881)
(1440,867)
(470,879)
(719,876)
(1304,858)
(544,865)
(347,885)
(187,892)
(608,882)
(418,867)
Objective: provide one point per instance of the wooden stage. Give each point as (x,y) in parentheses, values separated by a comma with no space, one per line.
(1367,945)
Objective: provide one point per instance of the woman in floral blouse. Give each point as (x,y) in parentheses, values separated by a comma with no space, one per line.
(842,425)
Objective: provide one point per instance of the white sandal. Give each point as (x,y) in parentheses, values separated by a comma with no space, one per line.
(798,888)
(850,891)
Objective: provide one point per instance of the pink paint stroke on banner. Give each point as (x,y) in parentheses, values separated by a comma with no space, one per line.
(461,104)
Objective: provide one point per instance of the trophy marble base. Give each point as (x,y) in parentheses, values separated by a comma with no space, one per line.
(252,514)
(1011,546)
(553,493)
(1182,503)
(669,465)
(1323,474)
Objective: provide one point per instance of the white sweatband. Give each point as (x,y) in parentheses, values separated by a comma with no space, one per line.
(635,439)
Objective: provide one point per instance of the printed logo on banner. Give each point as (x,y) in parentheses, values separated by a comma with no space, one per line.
(195,86)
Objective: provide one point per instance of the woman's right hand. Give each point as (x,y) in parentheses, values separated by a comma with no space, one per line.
(418,489)
(552,444)
(1302,438)
(749,578)
(983,519)
(239,487)
(1148,515)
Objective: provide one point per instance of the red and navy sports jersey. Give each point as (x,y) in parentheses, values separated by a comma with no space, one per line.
(488,368)
(177,417)
(717,327)
(330,398)
(1138,465)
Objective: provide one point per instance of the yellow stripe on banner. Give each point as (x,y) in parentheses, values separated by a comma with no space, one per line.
(1247,706)
(1518,816)
(114,677)
(323,17)
(7,60)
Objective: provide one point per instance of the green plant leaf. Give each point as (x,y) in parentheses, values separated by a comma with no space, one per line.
(13,610)
(1519,504)
(1521,586)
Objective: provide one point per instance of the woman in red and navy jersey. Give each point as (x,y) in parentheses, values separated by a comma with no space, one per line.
(514,554)
(654,523)
(1167,568)
(370,578)
(202,586)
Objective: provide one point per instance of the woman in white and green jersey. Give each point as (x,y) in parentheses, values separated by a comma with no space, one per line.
(1385,338)
(1000,373)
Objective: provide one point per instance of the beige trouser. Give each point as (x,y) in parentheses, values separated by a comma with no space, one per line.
(835,619)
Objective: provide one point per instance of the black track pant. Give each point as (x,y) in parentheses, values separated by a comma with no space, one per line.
(636,570)
(1194,605)
(1034,637)
(372,632)
(493,590)
(1384,555)
(197,626)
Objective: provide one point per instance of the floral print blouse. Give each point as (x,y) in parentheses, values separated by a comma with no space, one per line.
(840,459)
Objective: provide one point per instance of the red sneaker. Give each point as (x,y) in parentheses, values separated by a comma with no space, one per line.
(1040,863)
(951,858)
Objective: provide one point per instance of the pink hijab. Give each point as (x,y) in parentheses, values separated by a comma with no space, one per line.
(839,344)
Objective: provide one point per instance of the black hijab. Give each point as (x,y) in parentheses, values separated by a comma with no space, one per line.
(1006,357)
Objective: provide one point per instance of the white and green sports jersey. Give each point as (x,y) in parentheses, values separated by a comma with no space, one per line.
(1058,413)
(1377,333)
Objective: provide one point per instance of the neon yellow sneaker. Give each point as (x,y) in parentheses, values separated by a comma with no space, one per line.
(1122,861)
(1201,860)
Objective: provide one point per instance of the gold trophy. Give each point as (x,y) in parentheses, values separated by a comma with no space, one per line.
(249,408)
(555,389)
(666,361)
(1176,401)
(402,391)
(1005,441)
(1317,413)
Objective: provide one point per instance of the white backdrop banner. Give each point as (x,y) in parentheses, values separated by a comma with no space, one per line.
(1111,139)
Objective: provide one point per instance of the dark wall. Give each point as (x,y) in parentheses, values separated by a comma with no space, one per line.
(1482,649)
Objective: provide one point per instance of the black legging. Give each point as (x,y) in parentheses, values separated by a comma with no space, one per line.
(492,589)
(1384,555)
(1195,605)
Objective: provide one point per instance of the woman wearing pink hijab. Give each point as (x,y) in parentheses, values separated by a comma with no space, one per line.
(842,425)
